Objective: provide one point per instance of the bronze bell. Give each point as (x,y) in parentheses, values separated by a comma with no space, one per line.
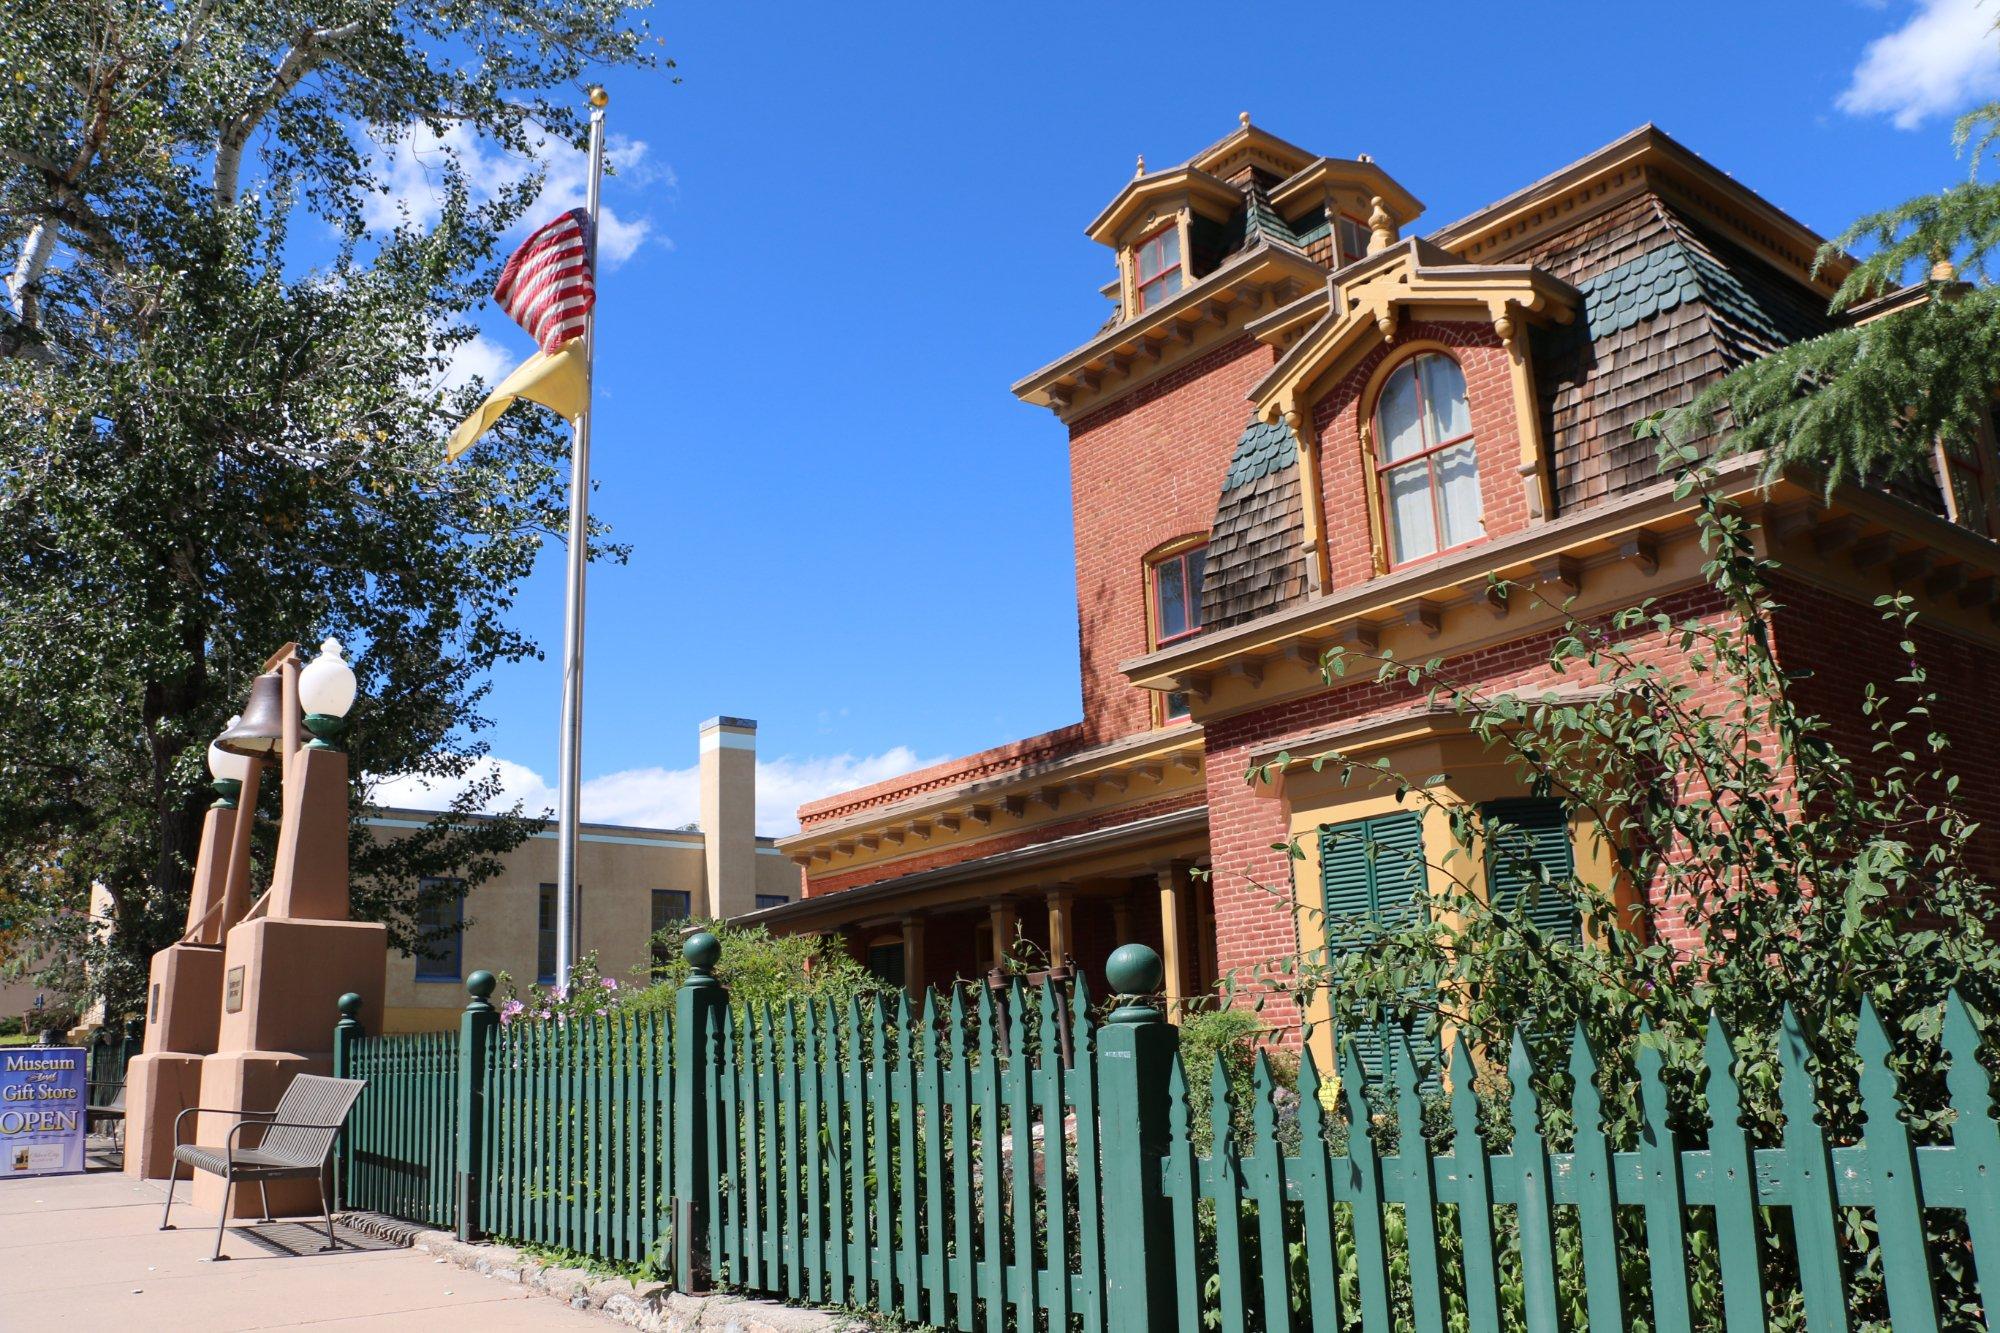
(261,729)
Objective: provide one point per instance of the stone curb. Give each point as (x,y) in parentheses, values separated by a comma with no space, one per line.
(652,1307)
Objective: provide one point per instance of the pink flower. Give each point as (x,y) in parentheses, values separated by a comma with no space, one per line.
(559,994)
(510,1011)
(609,983)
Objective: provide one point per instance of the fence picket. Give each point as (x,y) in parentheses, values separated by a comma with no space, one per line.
(1181,1179)
(964,1203)
(1021,1267)
(815,1161)
(1267,1187)
(1534,1195)
(1475,1195)
(930,1112)
(1899,1219)
(1055,1168)
(992,1266)
(1419,1180)
(1364,1176)
(1662,1192)
(1814,1216)
(839,1133)
(1975,1138)
(1595,1192)
(1314,1179)
(904,1092)
(1225,1188)
(1089,1181)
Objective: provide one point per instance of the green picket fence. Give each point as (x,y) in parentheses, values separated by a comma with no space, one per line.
(401,1141)
(1480,1229)
(926,1168)
(578,1142)
(947,1165)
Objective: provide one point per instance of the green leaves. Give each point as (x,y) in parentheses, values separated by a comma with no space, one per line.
(215,442)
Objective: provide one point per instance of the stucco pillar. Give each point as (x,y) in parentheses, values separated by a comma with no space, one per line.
(1000,915)
(1062,913)
(1173,936)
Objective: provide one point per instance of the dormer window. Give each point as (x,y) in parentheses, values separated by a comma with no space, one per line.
(1351,236)
(1156,268)
(1426,463)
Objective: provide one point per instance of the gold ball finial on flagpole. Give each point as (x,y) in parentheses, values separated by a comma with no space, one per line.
(598,97)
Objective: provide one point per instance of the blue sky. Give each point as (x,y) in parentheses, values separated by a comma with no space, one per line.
(848,230)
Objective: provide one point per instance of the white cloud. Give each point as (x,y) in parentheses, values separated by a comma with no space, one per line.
(413,165)
(479,358)
(670,797)
(1944,58)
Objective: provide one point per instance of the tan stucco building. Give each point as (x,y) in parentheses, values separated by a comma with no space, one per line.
(631,882)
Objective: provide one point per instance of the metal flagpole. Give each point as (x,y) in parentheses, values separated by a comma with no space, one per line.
(569,781)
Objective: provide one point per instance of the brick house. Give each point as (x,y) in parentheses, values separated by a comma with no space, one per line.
(1304,424)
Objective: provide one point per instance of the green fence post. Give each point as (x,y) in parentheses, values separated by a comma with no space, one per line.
(475,1025)
(135,1042)
(1135,1052)
(344,1033)
(698,1010)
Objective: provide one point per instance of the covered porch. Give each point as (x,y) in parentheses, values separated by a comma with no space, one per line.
(1062,904)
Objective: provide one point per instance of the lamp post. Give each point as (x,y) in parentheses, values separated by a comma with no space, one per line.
(326,693)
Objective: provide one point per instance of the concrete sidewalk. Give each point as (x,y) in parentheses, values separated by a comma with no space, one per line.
(81,1253)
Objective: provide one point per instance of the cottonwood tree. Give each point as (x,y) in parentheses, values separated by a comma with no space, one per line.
(221,423)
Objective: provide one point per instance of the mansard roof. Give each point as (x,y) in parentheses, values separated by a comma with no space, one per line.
(1255,562)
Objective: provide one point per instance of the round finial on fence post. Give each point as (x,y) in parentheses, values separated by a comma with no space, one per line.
(1134,973)
(480,987)
(701,950)
(350,1012)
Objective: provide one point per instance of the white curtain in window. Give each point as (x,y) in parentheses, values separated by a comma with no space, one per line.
(1444,398)
(1458,494)
(1411,532)
(1401,416)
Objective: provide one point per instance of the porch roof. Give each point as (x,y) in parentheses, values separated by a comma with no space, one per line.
(846,906)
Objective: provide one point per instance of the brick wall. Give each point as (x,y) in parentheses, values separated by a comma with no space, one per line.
(1346,475)
(1143,471)
(966,768)
(1255,925)
(1841,645)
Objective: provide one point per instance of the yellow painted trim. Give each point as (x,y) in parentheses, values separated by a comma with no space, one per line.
(1534,465)
(1312,499)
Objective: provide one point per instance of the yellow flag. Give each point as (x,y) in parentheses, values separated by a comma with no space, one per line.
(558,382)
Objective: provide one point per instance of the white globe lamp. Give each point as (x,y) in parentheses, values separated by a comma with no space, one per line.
(228,772)
(326,693)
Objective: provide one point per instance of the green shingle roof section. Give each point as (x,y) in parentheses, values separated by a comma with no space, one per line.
(1661,279)
(1262,449)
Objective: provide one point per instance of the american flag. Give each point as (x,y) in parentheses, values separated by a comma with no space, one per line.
(547,287)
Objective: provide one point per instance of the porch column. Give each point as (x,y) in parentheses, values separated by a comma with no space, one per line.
(1204,930)
(913,957)
(1001,917)
(1062,911)
(1173,919)
(1121,921)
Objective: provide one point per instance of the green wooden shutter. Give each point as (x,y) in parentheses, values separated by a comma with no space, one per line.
(1536,834)
(1372,878)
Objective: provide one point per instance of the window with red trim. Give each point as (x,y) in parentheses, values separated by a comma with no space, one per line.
(1176,591)
(1426,464)
(1350,238)
(1156,268)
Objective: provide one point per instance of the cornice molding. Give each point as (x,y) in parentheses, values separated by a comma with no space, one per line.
(1203,316)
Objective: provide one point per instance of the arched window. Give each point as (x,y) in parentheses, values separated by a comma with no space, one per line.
(1425,461)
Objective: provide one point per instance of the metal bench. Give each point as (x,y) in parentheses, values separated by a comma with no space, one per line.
(297,1141)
